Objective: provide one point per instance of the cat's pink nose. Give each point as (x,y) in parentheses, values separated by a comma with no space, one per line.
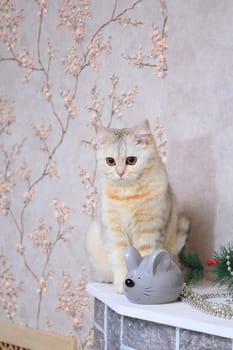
(120,173)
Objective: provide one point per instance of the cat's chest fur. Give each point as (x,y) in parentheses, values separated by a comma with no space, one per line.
(125,208)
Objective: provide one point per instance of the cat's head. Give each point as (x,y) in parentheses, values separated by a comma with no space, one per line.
(125,155)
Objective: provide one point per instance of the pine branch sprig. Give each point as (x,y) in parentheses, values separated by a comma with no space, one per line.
(223,269)
(193,268)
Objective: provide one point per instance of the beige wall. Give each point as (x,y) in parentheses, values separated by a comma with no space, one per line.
(199,118)
(47,173)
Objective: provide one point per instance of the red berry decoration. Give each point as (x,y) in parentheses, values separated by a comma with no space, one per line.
(211,262)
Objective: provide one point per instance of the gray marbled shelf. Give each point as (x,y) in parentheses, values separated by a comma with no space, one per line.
(120,325)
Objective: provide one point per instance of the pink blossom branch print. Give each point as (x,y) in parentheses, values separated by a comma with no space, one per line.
(58,108)
(10,289)
(39,237)
(7,183)
(9,23)
(6,116)
(88,182)
(157,58)
(74,301)
(161,142)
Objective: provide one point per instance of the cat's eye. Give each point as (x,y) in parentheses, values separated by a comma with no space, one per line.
(131,160)
(110,161)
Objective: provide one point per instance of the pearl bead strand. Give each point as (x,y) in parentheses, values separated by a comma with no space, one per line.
(200,302)
(228,262)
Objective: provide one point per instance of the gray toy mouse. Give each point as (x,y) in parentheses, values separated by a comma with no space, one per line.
(154,279)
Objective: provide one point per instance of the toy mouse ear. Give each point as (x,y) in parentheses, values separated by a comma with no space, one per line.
(160,258)
(132,258)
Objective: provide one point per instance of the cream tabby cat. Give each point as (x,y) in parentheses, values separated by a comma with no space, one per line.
(137,205)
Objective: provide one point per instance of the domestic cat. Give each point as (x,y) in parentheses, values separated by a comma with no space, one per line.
(137,203)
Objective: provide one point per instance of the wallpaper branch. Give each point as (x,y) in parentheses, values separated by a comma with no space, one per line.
(157,58)
(58,62)
(68,65)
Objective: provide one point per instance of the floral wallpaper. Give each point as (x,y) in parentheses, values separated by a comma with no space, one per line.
(65,65)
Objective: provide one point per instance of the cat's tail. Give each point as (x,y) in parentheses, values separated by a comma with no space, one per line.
(97,255)
(183,233)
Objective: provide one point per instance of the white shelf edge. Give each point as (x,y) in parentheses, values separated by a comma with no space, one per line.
(177,314)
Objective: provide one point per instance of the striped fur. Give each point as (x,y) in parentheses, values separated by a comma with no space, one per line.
(138,206)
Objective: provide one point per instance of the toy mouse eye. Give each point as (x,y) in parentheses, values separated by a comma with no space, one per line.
(110,161)
(131,160)
(129,283)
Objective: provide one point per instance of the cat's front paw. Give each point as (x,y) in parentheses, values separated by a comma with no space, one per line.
(119,286)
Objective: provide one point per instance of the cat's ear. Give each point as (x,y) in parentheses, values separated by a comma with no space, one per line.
(142,134)
(132,258)
(159,258)
(104,135)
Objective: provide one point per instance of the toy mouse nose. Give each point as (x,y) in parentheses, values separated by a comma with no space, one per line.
(129,283)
